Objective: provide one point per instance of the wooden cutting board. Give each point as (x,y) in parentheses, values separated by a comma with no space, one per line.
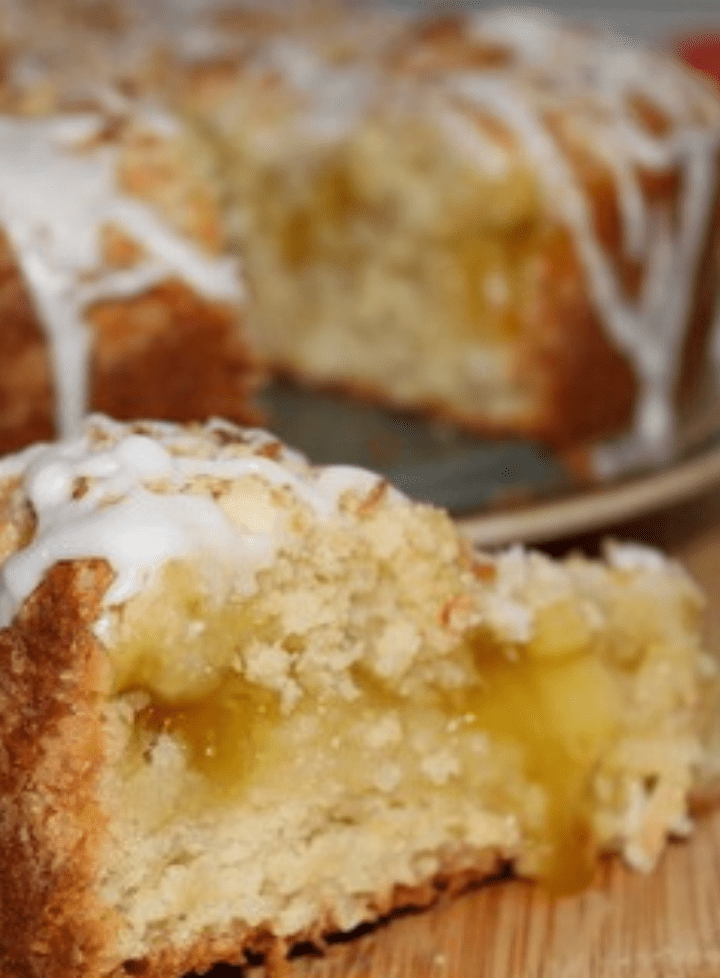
(627,925)
(666,925)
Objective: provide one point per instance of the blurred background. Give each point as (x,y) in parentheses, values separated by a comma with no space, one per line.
(658,20)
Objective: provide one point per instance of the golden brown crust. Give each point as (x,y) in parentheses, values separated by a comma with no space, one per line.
(51,823)
(170,354)
(25,389)
(591,388)
(167,354)
(702,315)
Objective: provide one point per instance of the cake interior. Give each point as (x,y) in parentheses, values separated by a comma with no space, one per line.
(352,723)
(373,246)
(383,260)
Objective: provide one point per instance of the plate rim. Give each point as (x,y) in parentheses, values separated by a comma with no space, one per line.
(596,507)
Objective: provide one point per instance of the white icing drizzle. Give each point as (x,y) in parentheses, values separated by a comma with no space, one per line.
(336,98)
(56,195)
(137,509)
(472,142)
(554,66)
(588,78)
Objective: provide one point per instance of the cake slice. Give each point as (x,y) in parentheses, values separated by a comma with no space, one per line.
(245,701)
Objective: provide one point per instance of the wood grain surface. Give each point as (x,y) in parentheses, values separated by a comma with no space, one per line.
(626,925)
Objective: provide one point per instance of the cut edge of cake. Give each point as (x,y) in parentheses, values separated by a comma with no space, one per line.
(406,708)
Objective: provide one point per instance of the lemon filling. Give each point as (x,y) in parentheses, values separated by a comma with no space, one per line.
(520,735)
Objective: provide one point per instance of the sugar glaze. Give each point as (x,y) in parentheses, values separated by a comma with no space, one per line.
(137,510)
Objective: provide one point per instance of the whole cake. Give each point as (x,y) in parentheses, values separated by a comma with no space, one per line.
(246,701)
(493,218)
(499,218)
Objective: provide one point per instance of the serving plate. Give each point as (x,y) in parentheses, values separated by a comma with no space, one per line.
(501,490)
(602,506)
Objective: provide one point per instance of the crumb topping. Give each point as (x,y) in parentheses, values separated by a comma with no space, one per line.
(139,495)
